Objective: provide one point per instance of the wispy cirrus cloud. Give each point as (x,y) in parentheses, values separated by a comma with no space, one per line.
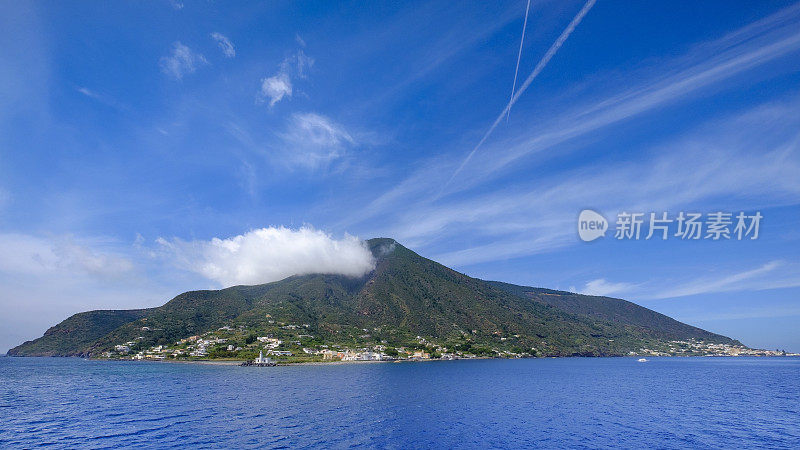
(274,89)
(467,206)
(102,98)
(279,86)
(766,276)
(670,82)
(603,287)
(306,141)
(26,254)
(181,61)
(88,92)
(224,44)
(659,85)
(535,73)
(734,164)
(745,313)
(47,278)
(776,274)
(312,140)
(438,53)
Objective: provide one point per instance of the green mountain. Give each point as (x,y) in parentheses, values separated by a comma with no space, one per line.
(406,300)
(613,310)
(76,333)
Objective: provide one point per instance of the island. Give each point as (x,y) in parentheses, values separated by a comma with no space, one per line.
(409,308)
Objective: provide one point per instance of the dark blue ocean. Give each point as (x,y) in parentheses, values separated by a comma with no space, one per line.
(570,402)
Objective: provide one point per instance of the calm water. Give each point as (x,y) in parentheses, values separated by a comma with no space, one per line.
(574,402)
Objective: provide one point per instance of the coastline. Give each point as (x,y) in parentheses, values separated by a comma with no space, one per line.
(238,362)
(212,362)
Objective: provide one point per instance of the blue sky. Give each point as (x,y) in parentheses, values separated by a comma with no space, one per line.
(132,135)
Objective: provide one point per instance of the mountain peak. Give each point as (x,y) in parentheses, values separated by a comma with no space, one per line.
(380,247)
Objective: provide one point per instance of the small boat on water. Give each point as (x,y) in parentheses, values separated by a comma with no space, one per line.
(642,360)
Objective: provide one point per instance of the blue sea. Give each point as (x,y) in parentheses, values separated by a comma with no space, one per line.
(557,403)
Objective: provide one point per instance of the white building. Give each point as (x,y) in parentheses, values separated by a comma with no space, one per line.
(261,359)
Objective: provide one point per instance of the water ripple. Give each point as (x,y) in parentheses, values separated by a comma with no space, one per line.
(579,403)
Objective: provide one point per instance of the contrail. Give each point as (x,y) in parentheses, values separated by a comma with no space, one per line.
(536,70)
(519,55)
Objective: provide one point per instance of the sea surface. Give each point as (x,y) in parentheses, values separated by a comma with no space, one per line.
(568,402)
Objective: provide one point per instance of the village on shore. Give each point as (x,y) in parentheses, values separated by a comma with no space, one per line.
(211,346)
(291,343)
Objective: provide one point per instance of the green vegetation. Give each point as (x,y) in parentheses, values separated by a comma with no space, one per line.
(407,303)
(77,333)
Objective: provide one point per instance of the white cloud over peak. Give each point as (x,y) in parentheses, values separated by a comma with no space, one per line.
(224,44)
(181,61)
(271,254)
